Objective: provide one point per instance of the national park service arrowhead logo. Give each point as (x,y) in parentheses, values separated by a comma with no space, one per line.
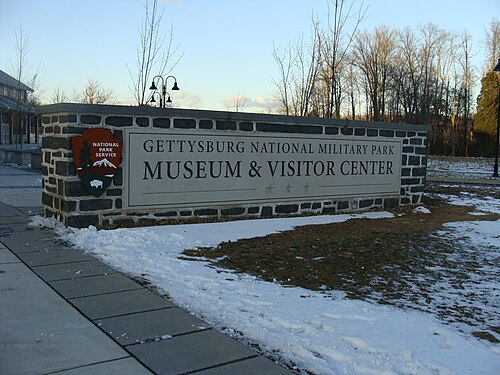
(96,155)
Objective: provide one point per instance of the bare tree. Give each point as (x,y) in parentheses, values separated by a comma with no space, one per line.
(336,45)
(23,70)
(373,55)
(467,77)
(94,93)
(58,96)
(237,103)
(155,52)
(299,66)
(492,46)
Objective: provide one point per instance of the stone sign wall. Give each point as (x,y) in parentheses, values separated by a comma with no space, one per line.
(183,164)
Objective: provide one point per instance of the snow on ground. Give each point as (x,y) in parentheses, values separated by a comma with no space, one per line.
(318,332)
(471,168)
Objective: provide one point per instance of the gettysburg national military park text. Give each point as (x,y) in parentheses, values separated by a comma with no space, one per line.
(203,168)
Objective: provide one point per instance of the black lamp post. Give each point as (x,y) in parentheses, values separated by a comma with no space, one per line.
(495,168)
(163,98)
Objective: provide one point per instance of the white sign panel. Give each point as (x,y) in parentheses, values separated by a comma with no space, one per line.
(207,169)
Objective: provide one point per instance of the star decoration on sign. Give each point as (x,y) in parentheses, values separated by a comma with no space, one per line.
(270,189)
(306,187)
(289,188)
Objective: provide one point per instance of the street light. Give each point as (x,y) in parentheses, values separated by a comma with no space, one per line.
(495,168)
(164,92)
(162,101)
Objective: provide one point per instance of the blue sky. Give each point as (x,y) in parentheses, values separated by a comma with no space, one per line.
(227,44)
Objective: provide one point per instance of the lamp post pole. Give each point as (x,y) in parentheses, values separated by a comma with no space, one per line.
(495,168)
(163,89)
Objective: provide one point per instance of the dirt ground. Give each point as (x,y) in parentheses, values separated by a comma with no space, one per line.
(397,261)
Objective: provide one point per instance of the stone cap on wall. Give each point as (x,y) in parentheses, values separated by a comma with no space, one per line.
(100,109)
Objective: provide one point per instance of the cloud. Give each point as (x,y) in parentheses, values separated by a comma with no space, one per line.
(263,102)
(185,99)
(245,103)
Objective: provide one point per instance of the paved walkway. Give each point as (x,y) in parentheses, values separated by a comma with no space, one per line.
(65,312)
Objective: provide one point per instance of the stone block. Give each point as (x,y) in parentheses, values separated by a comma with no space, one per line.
(410,181)
(234,211)
(68,118)
(47,199)
(184,123)
(331,130)
(372,132)
(142,121)
(118,204)
(119,120)
(360,131)
(74,189)
(365,203)
(90,119)
(391,203)
(161,122)
(246,126)
(82,221)
(55,143)
(329,210)
(416,141)
(206,212)
(206,124)
(266,211)
(95,204)
(386,133)
(287,128)
(414,160)
(418,172)
(166,214)
(225,125)
(65,168)
(346,131)
(253,210)
(421,150)
(286,209)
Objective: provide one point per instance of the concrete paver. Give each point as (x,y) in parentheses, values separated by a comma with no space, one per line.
(151,325)
(94,285)
(196,351)
(255,365)
(44,258)
(64,311)
(120,303)
(36,322)
(74,270)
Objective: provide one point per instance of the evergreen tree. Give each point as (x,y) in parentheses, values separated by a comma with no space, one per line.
(485,119)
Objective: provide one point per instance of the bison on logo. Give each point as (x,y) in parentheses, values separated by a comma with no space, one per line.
(96,155)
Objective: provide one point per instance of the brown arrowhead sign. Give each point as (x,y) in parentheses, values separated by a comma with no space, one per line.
(96,155)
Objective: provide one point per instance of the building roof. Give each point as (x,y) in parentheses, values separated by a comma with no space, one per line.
(10,81)
(8,104)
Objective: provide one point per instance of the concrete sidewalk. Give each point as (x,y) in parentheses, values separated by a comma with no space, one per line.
(65,312)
